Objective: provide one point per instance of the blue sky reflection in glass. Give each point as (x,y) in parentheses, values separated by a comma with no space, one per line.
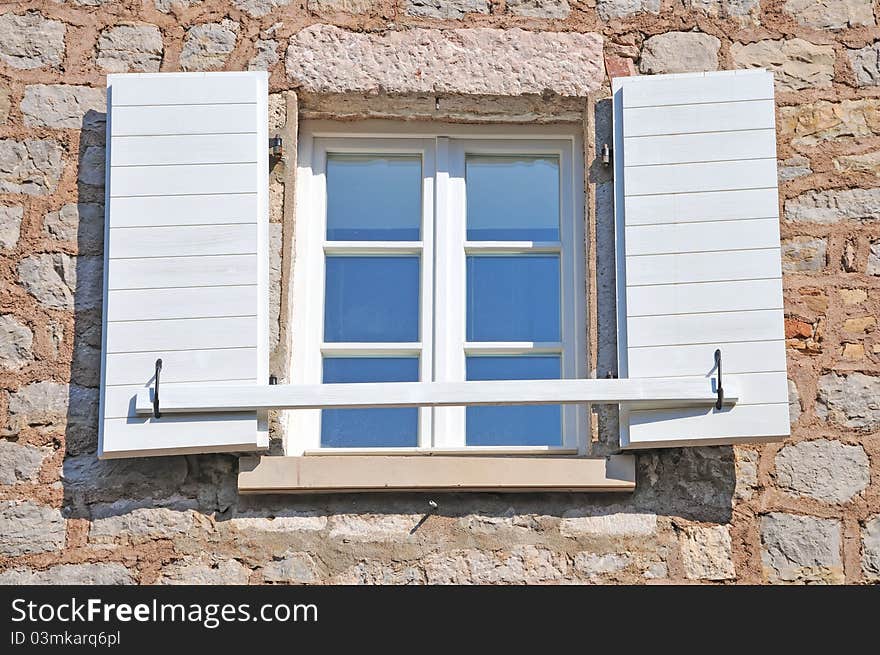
(512,198)
(514,425)
(374,197)
(370,428)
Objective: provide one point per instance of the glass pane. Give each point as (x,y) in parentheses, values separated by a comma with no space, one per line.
(374,197)
(370,428)
(372,299)
(514,425)
(513,298)
(512,198)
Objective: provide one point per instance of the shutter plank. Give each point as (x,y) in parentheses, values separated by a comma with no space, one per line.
(703,298)
(183,241)
(701,268)
(681,268)
(193,302)
(701,237)
(185,334)
(186,259)
(698,359)
(179,272)
(703,176)
(182,366)
(738,204)
(712,146)
(184,149)
(184,119)
(216,209)
(709,117)
(683,329)
(183,180)
(693,88)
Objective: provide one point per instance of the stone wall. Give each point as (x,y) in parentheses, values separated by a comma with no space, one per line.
(807,510)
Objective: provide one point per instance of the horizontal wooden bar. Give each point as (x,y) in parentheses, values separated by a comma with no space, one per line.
(434,473)
(654,393)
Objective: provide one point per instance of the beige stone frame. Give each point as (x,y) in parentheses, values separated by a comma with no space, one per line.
(467,471)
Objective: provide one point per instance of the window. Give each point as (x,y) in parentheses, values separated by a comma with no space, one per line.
(447,257)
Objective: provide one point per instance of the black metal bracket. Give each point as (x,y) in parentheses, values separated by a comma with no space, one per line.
(607,155)
(276,147)
(156,412)
(273,379)
(720,401)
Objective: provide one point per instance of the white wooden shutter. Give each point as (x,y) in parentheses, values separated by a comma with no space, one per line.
(185,269)
(698,256)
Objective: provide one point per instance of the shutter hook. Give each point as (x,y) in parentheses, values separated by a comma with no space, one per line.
(720,401)
(156,412)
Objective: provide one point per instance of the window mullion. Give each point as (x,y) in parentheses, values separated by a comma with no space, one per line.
(449,315)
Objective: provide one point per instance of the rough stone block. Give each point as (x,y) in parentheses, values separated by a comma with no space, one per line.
(136,48)
(796,64)
(826,470)
(679,52)
(851,400)
(32,166)
(480,61)
(31,41)
(27,528)
(798,549)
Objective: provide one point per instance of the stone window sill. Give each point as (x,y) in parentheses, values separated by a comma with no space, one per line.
(511,473)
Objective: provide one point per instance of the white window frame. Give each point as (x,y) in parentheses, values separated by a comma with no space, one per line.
(442,351)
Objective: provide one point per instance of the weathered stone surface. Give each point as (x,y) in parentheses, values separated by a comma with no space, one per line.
(27,528)
(16,340)
(294,567)
(92,166)
(679,52)
(53,279)
(826,470)
(20,462)
(809,124)
(31,166)
(609,9)
(558,9)
(31,41)
(258,8)
(801,548)
(793,168)
(831,14)
(803,254)
(341,6)
(104,573)
(744,10)
(596,565)
(851,400)
(746,473)
(203,572)
(54,406)
(482,61)
(5,105)
(127,48)
(379,572)
(284,520)
(62,105)
(365,527)
(94,480)
(10,225)
(509,520)
(794,402)
(577,523)
(265,56)
(871,549)
(142,526)
(873,267)
(451,9)
(860,324)
(796,64)
(207,46)
(826,207)
(866,64)
(81,223)
(868,162)
(706,553)
(165,6)
(523,564)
